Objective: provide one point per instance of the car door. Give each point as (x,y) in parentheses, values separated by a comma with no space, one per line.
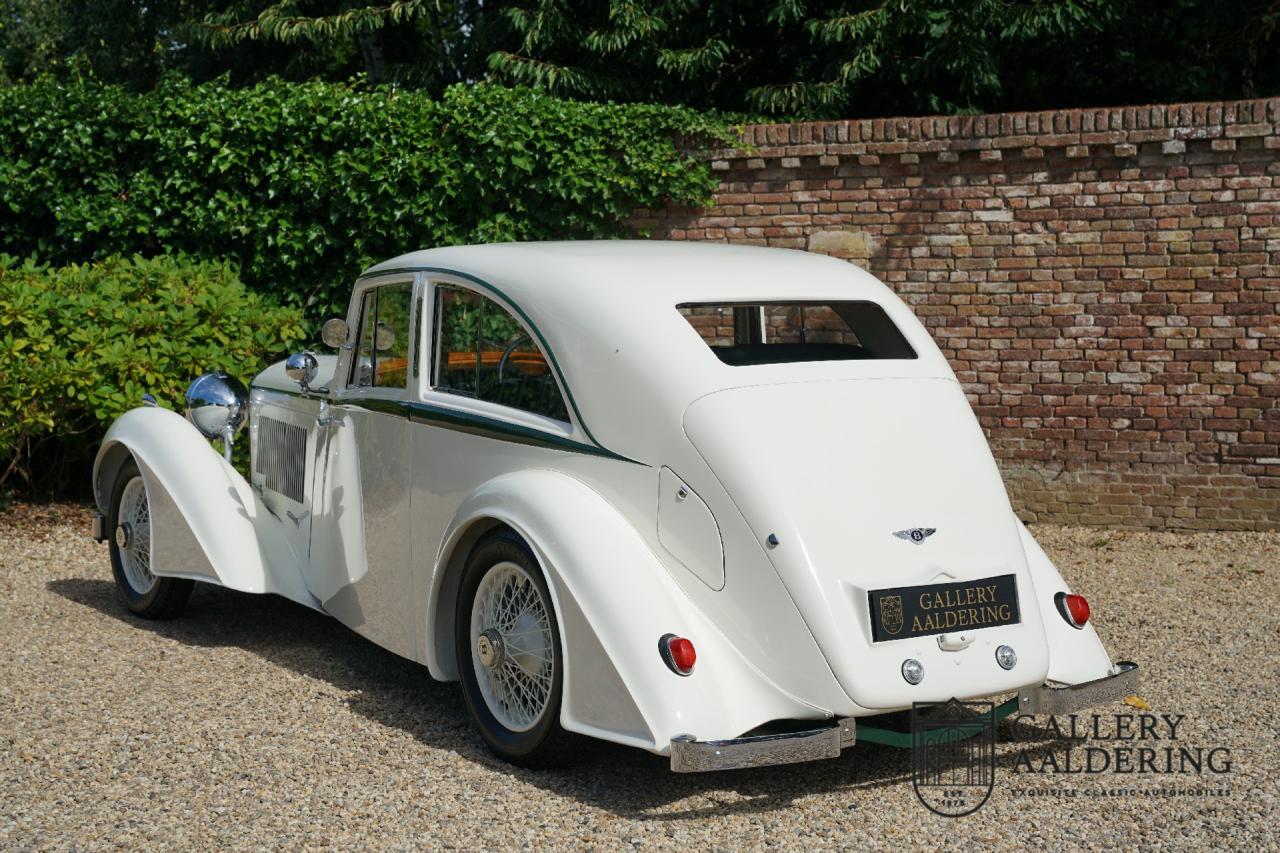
(360,553)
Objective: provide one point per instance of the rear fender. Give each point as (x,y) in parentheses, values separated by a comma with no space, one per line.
(1076,655)
(614,600)
(207,523)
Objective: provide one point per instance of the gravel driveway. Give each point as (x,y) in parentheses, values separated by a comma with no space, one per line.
(252,722)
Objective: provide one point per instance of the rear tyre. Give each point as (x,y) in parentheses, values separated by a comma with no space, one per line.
(509,656)
(129,530)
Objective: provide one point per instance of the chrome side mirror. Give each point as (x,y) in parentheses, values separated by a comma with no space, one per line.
(302,367)
(335,333)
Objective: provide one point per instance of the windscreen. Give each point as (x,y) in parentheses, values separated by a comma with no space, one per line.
(742,334)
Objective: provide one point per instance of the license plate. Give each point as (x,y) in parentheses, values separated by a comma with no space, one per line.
(918,611)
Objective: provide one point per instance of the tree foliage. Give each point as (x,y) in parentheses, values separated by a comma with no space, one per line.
(424,43)
(121,41)
(802,58)
(875,57)
(285,22)
(427,44)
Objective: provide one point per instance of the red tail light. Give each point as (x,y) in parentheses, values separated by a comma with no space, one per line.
(677,653)
(1074,608)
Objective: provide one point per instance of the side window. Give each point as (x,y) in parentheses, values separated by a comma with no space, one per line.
(382,351)
(484,352)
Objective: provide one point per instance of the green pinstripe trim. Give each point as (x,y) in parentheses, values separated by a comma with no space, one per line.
(467,422)
(502,430)
(905,740)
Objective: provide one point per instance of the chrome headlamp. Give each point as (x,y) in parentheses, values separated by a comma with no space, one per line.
(218,406)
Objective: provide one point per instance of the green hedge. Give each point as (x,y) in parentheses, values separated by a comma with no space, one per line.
(303,185)
(79,345)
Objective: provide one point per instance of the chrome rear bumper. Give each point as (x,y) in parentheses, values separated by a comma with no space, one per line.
(1063,700)
(699,756)
(828,739)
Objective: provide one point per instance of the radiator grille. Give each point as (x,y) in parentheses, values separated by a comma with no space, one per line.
(281,457)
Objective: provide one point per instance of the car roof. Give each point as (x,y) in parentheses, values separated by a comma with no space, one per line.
(645,271)
(606,310)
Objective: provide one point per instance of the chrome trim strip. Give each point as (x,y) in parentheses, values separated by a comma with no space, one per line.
(1063,700)
(700,756)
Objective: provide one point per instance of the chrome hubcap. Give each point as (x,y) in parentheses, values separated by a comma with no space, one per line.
(489,648)
(511,646)
(133,536)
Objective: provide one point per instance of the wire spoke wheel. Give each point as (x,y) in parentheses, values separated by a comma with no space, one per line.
(146,594)
(512,649)
(133,536)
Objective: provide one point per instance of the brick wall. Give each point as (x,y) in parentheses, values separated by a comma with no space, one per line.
(1105,282)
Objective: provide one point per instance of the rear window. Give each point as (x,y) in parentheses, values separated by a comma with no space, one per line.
(746,333)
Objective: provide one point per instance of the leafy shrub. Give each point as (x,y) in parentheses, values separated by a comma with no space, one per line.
(80,345)
(304,185)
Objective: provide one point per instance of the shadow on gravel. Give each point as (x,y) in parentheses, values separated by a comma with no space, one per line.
(393,691)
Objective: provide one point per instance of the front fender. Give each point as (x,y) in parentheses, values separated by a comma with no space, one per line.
(614,600)
(1076,655)
(206,521)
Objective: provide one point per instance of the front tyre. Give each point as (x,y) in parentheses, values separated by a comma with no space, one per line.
(509,656)
(130,541)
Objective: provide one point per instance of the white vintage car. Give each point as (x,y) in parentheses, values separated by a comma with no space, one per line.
(715,502)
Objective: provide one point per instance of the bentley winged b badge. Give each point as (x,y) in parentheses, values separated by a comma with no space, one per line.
(916,534)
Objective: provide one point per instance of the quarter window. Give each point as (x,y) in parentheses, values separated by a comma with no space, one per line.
(382,352)
(483,352)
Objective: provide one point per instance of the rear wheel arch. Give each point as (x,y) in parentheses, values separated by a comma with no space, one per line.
(582,650)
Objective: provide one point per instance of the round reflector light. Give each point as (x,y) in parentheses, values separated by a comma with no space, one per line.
(1006,657)
(913,671)
(1074,608)
(677,653)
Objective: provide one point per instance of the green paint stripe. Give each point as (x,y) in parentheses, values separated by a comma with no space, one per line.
(494,428)
(903,740)
(885,737)
(468,422)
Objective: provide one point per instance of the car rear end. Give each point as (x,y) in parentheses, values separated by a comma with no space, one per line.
(852,453)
